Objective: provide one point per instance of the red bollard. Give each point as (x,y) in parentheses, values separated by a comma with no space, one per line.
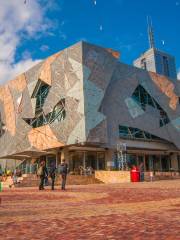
(135,175)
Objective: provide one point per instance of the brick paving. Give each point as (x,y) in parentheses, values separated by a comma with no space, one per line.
(113,211)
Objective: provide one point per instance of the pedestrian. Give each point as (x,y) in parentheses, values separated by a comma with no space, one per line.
(63,172)
(42,173)
(14,177)
(52,174)
(151,175)
(1,171)
(141,170)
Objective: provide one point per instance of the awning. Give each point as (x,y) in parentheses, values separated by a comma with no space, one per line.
(26,155)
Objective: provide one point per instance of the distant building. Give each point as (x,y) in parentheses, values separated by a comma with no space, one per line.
(156,60)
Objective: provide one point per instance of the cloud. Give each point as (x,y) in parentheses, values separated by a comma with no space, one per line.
(9,71)
(19,22)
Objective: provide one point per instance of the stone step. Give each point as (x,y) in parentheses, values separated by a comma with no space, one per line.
(157,178)
(71,180)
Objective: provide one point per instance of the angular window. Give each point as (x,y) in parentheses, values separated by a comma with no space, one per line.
(143,98)
(166,66)
(56,115)
(123,131)
(135,133)
(40,93)
(143,64)
(2,127)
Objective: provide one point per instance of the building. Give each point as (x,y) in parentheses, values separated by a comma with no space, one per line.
(84,105)
(156,60)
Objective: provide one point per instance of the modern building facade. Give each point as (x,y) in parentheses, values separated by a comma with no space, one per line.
(157,61)
(84,105)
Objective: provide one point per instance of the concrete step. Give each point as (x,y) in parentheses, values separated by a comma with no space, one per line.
(31,181)
(157,178)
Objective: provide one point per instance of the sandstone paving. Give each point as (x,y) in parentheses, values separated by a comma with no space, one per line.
(104,211)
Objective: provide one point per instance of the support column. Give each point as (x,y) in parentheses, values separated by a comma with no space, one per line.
(137,162)
(97,161)
(174,161)
(26,171)
(144,162)
(161,163)
(57,157)
(109,159)
(84,160)
(30,167)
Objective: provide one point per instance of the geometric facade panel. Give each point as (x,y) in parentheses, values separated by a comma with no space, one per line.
(143,98)
(81,95)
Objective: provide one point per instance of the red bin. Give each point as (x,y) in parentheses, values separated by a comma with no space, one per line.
(135,175)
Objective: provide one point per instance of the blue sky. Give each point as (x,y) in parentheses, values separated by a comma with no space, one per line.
(118,24)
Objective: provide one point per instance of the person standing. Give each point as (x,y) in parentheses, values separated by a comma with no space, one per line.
(42,173)
(63,172)
(141,170)
(52,174)
(1,171)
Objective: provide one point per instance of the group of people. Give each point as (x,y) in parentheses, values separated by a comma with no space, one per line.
(88,171)
(4,174)
(43,174)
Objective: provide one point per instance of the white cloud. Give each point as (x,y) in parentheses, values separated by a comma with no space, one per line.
(19,21)
(9,71)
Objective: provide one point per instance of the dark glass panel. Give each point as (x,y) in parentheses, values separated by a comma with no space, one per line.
(141,96)
(123,131)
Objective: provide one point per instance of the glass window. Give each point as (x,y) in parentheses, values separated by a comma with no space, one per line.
(130,132)
(76,161)
(157,163)
(58,113)
(101,161)
(91,159)
(136,133)
(143,98)
(123,131)
(166,66)
(165,161)
(131,160)
(143,64)
(40,93)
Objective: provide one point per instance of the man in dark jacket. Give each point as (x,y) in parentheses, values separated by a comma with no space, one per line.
(52,174)
(63,172)
(43,173)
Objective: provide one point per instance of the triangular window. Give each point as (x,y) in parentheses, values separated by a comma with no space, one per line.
(136,133)
(40,93)
(143,98)
(56,115)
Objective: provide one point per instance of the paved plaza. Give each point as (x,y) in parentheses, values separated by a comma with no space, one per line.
(99,212)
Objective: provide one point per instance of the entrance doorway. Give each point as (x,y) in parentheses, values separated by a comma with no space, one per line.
(165,161)
(86,159)
(91,160)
